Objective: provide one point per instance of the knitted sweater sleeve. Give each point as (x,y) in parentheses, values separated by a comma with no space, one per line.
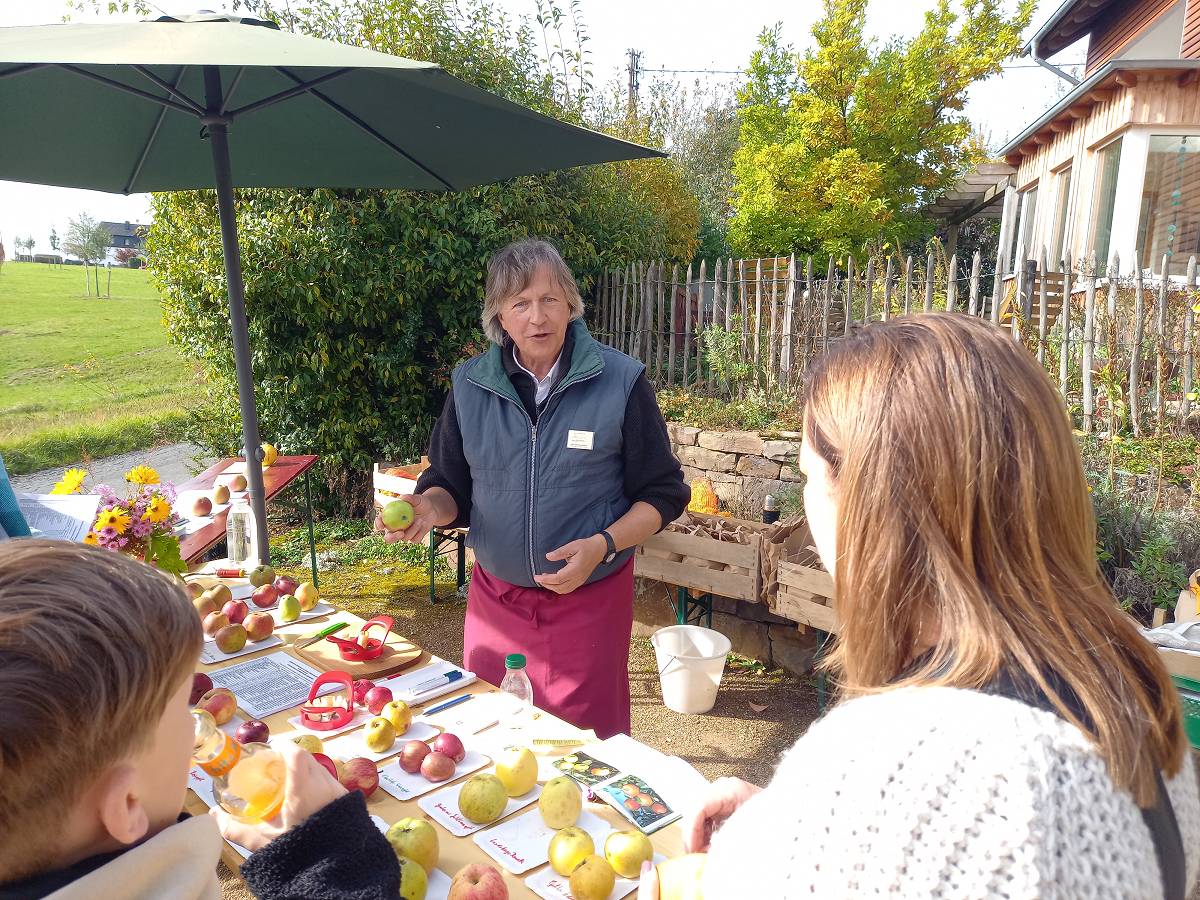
(943,793)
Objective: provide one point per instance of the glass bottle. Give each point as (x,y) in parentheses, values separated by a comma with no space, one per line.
(516,682)
(249,780)
(240,532)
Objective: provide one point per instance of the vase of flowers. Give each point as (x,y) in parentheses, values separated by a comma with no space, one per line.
(140,521)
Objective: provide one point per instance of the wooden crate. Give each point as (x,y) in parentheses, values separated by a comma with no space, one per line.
(806,592)
(657,560)
(388,487)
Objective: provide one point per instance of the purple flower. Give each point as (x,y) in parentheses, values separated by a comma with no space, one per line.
(108,533)
(141,528)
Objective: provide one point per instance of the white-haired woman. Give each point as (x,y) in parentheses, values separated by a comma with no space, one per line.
(551,447)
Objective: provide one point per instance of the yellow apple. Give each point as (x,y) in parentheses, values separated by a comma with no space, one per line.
(309,742)
(593,879)
(560,802)
(413,881)
(270,454)
(518,769)
(398,713)
(568,848)
(307,595)
(482,799)
(379,735)
(679,878)
(417,840)
(626,851)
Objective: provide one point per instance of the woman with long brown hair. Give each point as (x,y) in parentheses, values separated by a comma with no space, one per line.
(1004,729)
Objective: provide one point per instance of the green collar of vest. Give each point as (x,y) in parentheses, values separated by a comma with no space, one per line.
(586,361)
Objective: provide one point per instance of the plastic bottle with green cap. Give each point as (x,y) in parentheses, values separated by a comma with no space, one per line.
(516,682)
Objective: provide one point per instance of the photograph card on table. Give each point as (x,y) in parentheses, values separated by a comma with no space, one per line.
(638,802)
(585,769)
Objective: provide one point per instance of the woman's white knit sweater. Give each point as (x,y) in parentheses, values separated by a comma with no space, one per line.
(945,793)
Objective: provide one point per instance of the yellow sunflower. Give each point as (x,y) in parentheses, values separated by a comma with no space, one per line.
(114,518)
(71,482)
(141,475)
(158,509)
(91,538)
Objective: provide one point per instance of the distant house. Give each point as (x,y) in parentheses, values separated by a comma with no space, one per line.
(125,234)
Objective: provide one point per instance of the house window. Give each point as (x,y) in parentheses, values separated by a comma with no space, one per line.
(1107,168)
(1025,219)
(1169,223)
(1061,216)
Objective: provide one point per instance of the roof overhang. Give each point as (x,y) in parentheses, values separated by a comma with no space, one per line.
(1072,20)
(973,195)
(1118,73)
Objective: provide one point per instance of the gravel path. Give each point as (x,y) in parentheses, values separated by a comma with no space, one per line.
(174,463)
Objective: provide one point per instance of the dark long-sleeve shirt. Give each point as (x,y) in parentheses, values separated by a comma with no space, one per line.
(651,473)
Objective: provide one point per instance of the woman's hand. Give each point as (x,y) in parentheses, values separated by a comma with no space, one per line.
(648,886)
(426,516)
(582,558)
(309,788)
(723,797)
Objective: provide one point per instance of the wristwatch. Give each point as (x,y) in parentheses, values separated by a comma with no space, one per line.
(612,548)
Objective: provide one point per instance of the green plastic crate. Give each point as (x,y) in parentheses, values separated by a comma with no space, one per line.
(1191,708)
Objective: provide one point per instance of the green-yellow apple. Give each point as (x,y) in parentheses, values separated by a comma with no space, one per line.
(379,735)
(397,515)
(309,742)
(307,594)
(517,767)
(261,575)
(679,878)
(417,840)
(593,879)
(220,494)
(560,802)
(568,848)
(230,639)
(482,799)
(221,593)
(626,851)
(398,713)
(413,880)
(289,608)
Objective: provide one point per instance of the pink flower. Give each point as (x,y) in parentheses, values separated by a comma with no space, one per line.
(108,534)
(141,528)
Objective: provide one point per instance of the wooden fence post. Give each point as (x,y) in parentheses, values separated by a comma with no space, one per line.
(772,372)
(699,327)
(1064,358)
(1135,361)
(887,290)
(674,318)
(869,284)
(908,270)
(687,326)
(929,282)
(789,300)
(811,319)
(757,311)
(848,307)
(1189,322)
(729,288)
(952,284)
(826,302)
(743,292)
(1089,348)
(658,321)
(1043,313)
(1161,335)
(973,301)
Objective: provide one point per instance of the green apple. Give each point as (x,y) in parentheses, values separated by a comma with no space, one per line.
(626,851)
(517,767)
(482,799)
(593,879)
(568,848)
(415,839)
(309,742)
(262,575)
(379,735)
(413,881)
(289,608)
(397,515)
(560,802)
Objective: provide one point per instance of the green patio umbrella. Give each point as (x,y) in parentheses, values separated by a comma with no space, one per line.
(217,101)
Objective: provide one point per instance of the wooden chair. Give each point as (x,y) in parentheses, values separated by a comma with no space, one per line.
(1055,284)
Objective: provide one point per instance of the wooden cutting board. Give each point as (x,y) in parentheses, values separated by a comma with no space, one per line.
(399,653)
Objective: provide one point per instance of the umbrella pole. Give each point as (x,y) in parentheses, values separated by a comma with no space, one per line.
(218,136)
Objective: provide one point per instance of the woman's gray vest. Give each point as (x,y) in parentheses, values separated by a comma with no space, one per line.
(537,487)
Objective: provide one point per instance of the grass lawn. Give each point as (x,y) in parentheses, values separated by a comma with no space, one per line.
(82,377)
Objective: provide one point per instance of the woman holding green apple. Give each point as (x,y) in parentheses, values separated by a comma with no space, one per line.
(552,449)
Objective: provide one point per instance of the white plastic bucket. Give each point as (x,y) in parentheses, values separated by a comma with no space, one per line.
(691,661)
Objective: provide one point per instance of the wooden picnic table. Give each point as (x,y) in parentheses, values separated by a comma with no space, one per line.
(276,478)
(455,852)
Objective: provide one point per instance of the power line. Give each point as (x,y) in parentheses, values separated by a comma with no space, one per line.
(743,71)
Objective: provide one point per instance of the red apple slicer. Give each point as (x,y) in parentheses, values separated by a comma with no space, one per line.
(329,718)
(366,647)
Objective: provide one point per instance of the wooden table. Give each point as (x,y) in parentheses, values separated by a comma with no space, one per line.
(455,852)
(276,478)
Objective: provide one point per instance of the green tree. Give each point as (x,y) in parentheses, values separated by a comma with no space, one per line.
(841,146)
(88,240)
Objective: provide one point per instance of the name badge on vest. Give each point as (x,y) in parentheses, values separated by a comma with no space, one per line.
(579,440)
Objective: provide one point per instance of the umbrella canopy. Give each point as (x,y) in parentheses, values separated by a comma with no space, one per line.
(216,101)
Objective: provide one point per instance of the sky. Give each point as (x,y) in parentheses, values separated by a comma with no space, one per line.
(670,34)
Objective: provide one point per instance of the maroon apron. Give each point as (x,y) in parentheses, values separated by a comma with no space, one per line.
(576,645)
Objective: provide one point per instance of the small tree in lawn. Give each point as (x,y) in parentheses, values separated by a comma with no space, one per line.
(1,253)
(54,244)
(88,240)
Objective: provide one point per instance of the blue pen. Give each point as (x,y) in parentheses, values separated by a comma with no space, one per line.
(432,683)
(449,703)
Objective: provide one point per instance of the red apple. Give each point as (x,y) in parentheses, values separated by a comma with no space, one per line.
(259,626)
(214,622)
(478,882)
(236,611)
(265,596)
(377,698)
(449,745)
(360,774)
(361,687)
(437,767)
(252,732)
(284,584)
(413,755)
(220,704)
(327,763)
(202,507)
(201,685)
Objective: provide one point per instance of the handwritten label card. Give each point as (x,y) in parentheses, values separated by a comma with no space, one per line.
(210,654)
(523,843)
(355,744)
(403,786)
(443,807)
(549,885)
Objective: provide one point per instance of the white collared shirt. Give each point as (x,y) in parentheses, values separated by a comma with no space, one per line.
(543,384)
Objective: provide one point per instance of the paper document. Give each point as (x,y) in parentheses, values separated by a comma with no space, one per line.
(64,517)
(267,685)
